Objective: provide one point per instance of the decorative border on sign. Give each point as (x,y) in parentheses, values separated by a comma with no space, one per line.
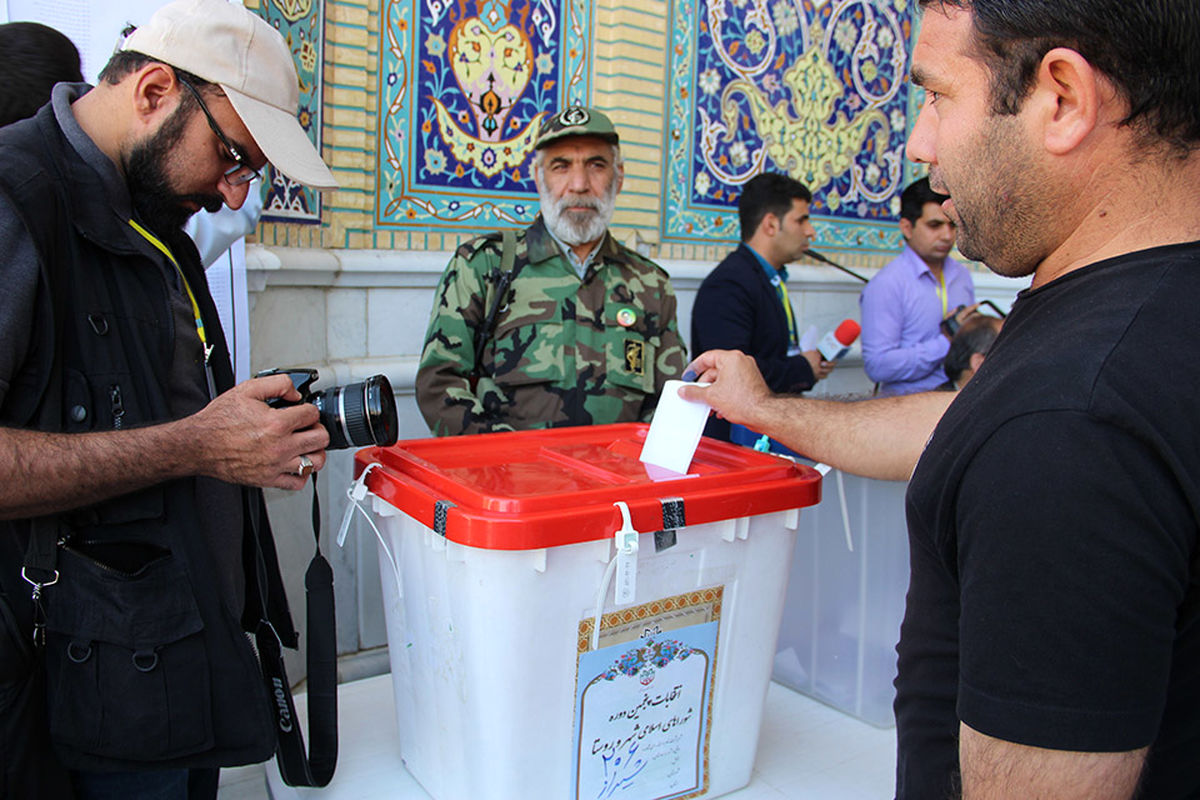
(301,23)
(665,605)
(464,85)
(713,598)
(813,88)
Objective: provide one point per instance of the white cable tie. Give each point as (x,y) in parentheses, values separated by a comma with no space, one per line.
(624,563)
(626,540)
(845,511)
(357,492)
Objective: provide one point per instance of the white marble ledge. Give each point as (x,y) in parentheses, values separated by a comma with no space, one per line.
(307,266)
(401,371)
(333,267)
(342,268)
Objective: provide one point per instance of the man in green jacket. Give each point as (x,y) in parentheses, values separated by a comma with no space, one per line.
(558,324)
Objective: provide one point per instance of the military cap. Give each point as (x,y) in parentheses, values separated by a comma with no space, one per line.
(575,121)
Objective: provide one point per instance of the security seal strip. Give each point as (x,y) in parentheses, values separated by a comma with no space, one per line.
(824,470)
(357,492)
(624,563)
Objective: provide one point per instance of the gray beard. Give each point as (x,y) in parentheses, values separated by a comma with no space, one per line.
(575,227)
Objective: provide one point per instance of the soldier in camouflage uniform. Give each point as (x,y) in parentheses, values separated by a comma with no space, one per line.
(586,332)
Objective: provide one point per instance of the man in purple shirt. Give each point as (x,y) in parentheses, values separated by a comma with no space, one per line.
(903,343)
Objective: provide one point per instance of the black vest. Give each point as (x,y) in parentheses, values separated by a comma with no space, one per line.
(145,666)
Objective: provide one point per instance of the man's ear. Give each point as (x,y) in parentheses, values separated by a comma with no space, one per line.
(769,225)
(1068,96)
(155,92)
(976,361)
(906,228)
(620,167)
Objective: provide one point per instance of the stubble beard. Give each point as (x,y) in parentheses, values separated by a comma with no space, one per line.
(999,201)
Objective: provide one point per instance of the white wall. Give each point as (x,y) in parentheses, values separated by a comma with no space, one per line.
(355,313)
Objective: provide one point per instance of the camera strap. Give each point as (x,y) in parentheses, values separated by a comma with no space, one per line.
(298,766)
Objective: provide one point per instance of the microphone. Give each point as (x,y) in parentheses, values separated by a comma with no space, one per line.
(836,343)
(813,254)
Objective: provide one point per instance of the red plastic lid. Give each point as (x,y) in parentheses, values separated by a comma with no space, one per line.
(535,489)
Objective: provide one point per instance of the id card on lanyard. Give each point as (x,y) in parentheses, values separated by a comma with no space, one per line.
(793,336)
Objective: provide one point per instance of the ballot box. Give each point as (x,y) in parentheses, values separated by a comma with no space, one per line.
(563,625)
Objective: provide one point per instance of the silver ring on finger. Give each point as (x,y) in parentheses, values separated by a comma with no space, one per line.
(306,467)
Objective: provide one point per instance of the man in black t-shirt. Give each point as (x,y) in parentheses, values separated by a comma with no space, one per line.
(1051,645)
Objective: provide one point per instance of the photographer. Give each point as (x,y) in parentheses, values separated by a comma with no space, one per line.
(134,552)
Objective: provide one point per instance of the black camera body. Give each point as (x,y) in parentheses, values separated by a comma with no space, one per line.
(355,415)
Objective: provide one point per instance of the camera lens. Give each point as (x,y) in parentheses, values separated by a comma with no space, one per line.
(359,414)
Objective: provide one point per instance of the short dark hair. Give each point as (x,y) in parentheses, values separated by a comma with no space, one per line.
(126,62)
(769,193)
(33,57)
(975,336)
(914,198)
(1147,50)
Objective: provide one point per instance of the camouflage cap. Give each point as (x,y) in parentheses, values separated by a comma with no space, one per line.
(575,121)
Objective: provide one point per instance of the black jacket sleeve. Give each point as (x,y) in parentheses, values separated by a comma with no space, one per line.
(737,308)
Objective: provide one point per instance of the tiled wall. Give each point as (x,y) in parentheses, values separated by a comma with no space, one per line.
(659,68)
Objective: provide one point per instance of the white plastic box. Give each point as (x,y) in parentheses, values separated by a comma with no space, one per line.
(841,620)
(502,543)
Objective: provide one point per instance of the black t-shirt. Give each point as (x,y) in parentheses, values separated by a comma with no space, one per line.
(1053,532)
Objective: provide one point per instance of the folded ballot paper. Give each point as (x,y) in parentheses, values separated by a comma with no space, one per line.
(674,433)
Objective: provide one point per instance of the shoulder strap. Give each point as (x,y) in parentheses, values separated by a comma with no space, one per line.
(508,273)
(298,767)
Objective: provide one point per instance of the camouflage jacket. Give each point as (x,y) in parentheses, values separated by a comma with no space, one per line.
(563,351)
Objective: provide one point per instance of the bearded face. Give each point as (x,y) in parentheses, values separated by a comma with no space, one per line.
(158,204)
(578,180)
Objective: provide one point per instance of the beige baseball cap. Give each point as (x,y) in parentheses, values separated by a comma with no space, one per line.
(226,44)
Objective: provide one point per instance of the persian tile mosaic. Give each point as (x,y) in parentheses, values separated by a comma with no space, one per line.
(813,88)
(463,88)
(301,23)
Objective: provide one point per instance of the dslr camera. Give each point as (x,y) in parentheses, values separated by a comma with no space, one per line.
(355,415)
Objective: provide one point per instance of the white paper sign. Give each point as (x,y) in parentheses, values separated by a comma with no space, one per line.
(641,721)
(93,25)
(227,283)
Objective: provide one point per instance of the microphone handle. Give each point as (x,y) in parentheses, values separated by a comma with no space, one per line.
(813,254)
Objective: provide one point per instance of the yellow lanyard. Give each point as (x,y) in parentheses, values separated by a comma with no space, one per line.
(152,239)
(787,310)
(943,295)
(162,248)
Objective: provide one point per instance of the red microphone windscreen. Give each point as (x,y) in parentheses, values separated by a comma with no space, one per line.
(847,332)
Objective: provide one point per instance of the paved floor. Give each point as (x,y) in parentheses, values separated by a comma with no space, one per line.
(807,751)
